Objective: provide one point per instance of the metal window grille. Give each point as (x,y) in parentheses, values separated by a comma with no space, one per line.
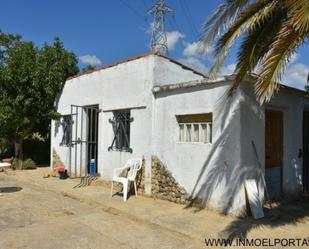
(67,130)
(121,126)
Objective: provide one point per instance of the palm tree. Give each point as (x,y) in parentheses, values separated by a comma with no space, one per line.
(271,31)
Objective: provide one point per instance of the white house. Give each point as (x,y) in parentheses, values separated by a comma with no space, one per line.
(196,141)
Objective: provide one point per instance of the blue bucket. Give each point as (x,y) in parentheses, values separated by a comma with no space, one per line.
(92,167)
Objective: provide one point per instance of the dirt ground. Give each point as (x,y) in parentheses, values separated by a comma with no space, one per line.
(49,213)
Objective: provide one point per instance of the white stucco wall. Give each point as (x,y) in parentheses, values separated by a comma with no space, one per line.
(253,129)
(127,85)
(206,171)
(215,173)
(166,72)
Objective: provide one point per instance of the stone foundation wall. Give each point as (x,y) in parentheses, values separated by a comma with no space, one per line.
(164,186)
(140,179)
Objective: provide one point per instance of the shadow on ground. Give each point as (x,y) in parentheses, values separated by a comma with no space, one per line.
(279,215)
(85,181)
(119,192)
(10,189)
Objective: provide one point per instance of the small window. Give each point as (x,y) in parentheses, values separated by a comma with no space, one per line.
(181,132)
(196,128)
(67,130)
(188,133)
(121,126)
(196,132)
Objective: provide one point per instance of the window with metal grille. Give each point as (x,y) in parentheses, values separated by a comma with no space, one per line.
(121,126)
(67,130)
(195,128)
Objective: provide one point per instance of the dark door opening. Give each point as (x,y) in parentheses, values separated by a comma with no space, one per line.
(306,152)
(92,136)
(274,152)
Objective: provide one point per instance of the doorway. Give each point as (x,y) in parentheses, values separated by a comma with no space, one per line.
(84,139)
(92,136)
(274,152)
(306,151)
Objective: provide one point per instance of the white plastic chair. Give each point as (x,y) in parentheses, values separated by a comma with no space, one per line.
(134,165)
(4,165)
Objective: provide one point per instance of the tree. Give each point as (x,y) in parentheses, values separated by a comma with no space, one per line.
(88,68)
(271,31)
(31,78)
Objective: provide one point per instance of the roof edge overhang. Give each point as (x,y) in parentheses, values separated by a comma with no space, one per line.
(189,84)
(136,58)
(251,78)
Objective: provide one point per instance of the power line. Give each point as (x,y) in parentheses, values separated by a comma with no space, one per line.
(194,33)
(187,17)
(134,11)
(190,15)
(177,26)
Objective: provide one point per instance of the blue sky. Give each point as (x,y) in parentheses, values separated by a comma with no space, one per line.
(104,31)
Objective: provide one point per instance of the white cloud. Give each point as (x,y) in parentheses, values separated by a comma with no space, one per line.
(149,29)
(296,75)
(172,38)
(195,57)
(193,50)
(294,57)
(195,63)
(228,69)
(90,60)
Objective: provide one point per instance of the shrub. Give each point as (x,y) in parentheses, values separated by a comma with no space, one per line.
(5,148)
(29,164)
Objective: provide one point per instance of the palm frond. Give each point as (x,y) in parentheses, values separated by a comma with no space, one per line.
(255,14)
(255,45)
(275,61)
(299,15)
(220,20)
(272,31)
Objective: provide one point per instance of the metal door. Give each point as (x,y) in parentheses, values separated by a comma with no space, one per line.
(84,139)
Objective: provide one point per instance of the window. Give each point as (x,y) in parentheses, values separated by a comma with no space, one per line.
(196,128)
(67,130)
(121,126)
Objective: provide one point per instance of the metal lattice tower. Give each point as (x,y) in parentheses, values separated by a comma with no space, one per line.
(158,36)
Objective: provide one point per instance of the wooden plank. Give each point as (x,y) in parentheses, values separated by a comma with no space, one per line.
(195,118)
(253,198)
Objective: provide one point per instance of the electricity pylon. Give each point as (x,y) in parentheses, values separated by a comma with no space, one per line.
(158,34)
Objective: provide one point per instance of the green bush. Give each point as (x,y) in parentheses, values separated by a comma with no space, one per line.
(29,164)
(5,148)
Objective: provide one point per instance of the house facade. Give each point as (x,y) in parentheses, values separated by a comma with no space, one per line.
(198,144)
